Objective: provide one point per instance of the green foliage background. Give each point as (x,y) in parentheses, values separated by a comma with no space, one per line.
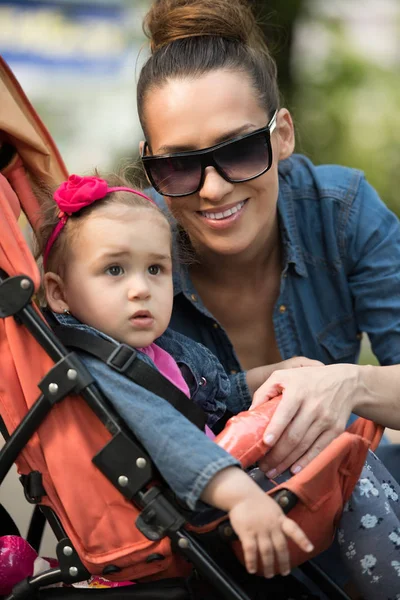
(346,105)
(349,113)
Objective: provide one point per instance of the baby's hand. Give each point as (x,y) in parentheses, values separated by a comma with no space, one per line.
(259,522)
(263,529)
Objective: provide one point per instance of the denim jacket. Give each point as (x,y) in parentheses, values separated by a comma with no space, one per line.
(186,458)
(340,275)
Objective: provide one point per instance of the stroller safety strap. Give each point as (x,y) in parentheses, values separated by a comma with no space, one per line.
(123,358)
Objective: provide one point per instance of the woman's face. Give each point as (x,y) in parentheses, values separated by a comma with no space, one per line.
(195,113)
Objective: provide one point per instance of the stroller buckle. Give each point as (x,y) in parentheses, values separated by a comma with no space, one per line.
(121,358)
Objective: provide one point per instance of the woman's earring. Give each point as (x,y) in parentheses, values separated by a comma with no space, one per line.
(66,311)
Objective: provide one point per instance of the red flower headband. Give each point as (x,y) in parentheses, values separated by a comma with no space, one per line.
(77,193)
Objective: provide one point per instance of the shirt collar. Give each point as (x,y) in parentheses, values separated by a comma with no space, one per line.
(69,320)
(293,253)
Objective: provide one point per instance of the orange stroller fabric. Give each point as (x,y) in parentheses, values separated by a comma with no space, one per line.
(322,487)
(99,521)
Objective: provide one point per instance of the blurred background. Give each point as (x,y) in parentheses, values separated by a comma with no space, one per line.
(339,70)
(339,66)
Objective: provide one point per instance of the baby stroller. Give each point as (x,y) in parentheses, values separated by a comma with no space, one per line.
(45,392)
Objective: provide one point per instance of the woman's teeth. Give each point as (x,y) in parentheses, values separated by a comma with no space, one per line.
(223,215)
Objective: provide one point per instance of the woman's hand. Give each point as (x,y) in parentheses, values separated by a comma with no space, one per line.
(256,377)
(315,407)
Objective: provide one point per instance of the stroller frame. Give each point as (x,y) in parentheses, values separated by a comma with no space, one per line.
(158,516)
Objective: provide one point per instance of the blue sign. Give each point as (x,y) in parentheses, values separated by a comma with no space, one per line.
(65,34)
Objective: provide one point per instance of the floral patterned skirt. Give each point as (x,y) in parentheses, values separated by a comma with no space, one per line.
(369,533)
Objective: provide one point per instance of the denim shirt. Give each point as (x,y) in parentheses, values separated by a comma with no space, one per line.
(186,458)
(340,275)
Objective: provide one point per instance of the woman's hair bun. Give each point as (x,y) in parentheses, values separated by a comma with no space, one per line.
(171,20)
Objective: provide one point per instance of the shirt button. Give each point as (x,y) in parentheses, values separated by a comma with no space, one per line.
(194,297)
(282,308)
(233,372)
(215,325)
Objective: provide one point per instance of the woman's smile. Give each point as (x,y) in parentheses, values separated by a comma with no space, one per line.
(223,217)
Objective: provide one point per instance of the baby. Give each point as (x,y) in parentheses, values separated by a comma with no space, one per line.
(107,255)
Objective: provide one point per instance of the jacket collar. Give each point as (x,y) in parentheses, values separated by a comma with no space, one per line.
(293,253)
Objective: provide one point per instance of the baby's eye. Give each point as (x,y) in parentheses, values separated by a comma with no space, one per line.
(115,270)
(154,269)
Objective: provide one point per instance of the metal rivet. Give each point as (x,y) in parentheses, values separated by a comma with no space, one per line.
(141,463)
(183,543)
(203,382)
(53,388)
(73,571)
(194,297)
(283,501)
(67,551)
(72,374)
(25,284)
(123,480)
(282,308)
(228,531)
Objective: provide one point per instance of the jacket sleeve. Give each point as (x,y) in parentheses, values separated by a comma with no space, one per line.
(186,458)
(240,397)
(372,254)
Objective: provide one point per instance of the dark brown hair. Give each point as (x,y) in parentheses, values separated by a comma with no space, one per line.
(48,218)
(189,38)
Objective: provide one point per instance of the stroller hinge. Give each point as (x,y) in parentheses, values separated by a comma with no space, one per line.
(15,294)
(72,569)
(158,517)
(68,376)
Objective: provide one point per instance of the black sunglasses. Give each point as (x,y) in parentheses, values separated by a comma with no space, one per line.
(239,159)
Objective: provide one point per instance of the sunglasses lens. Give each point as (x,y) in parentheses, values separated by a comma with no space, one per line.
(175,175)
(245,158)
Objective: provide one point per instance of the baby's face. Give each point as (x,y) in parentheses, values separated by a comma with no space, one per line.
(119,278)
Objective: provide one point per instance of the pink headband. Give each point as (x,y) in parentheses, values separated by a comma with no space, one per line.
(77,193)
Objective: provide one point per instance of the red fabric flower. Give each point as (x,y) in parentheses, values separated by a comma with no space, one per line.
(78,192)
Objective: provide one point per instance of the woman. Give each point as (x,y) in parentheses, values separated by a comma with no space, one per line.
(290,259)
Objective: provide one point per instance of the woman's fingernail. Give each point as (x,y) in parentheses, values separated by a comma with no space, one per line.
(296,469)
(268,440)
(271,473)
